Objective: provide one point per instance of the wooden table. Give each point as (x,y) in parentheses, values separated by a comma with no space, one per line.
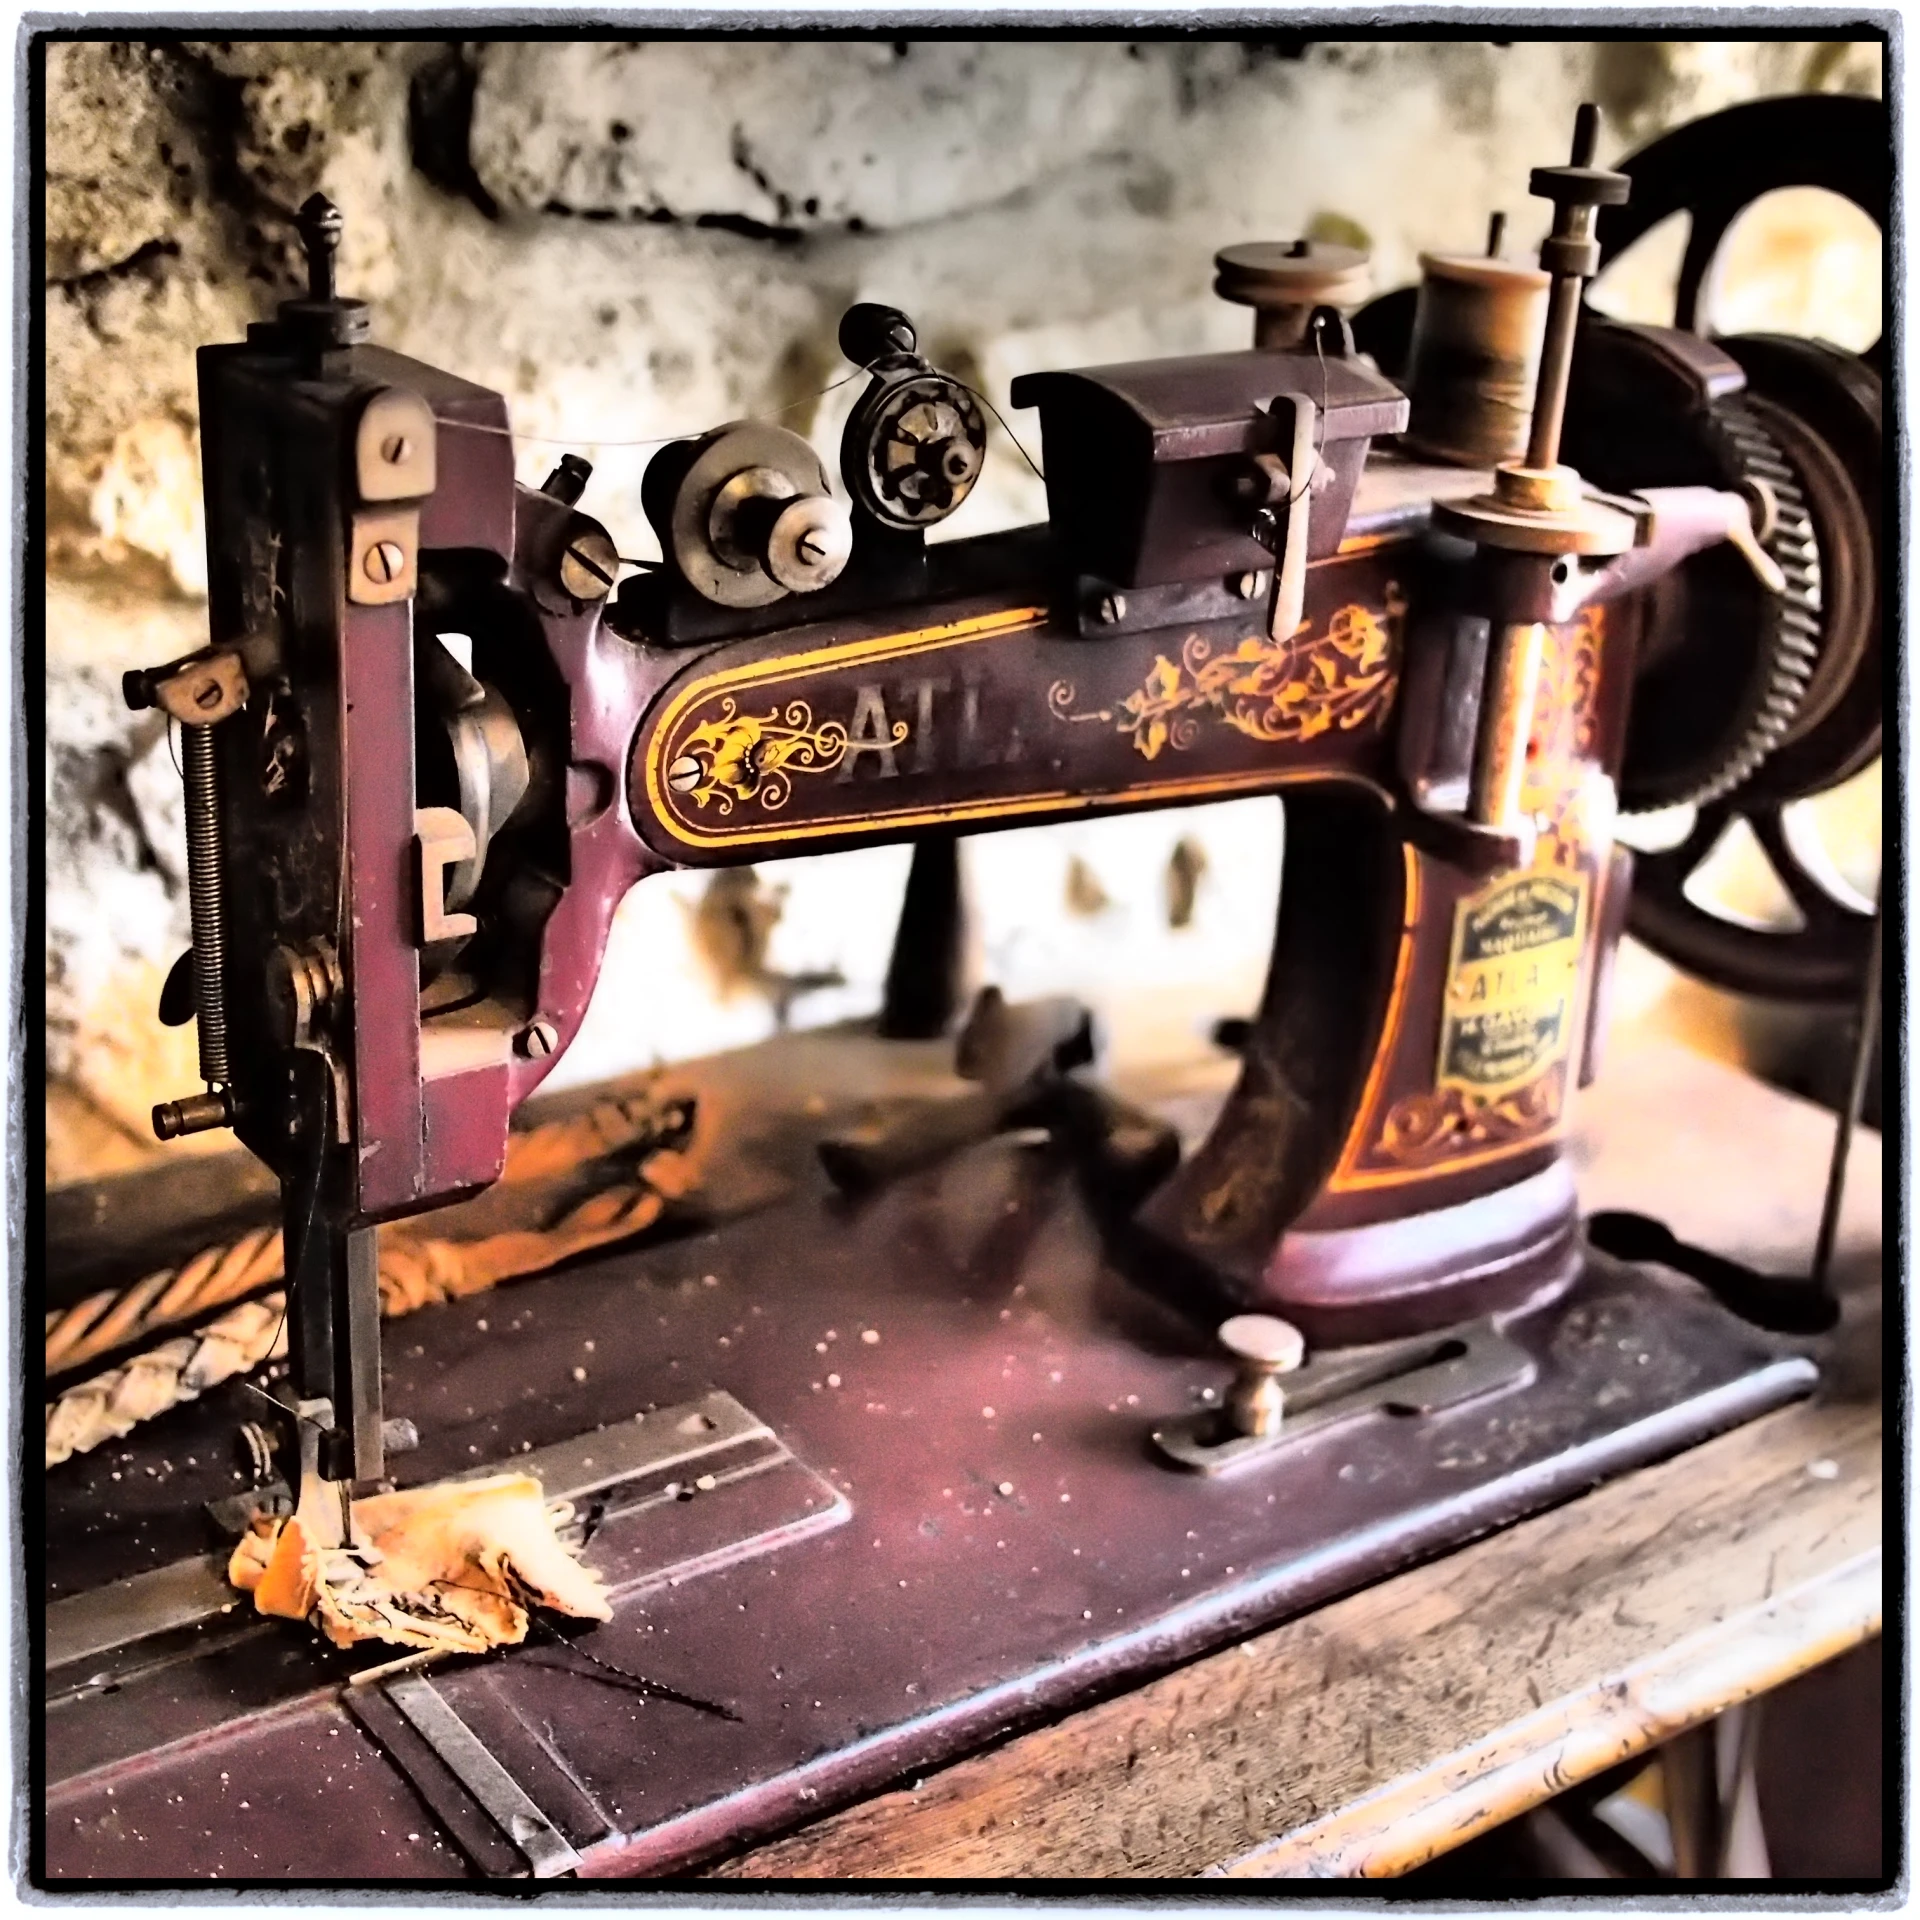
(1376,1733)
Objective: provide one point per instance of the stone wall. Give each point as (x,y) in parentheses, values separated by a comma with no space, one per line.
(633,241)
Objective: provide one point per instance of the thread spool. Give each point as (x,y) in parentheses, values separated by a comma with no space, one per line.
(1477,334)
(1284,280)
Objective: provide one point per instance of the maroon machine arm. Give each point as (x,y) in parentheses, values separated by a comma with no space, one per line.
(430,752)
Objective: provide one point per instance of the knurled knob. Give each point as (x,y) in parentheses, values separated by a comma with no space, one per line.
(1265,1347)
(810,542)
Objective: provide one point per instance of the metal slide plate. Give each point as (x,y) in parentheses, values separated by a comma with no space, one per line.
(1406,1377)
(109,1639)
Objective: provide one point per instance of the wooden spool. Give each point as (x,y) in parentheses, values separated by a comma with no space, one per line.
(1475,358)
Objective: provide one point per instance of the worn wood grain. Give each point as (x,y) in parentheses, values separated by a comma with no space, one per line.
(1381,1730)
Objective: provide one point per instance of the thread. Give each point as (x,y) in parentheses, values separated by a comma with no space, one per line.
(1477,334)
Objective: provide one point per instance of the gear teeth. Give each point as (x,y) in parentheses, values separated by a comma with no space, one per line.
(1793,643)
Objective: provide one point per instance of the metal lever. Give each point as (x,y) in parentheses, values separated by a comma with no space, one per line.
(1746,542)
(1425,1374)
(1287,607)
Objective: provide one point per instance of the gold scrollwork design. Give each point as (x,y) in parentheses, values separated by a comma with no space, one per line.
(1565,701)
(1565,723)
(1426,1127)
(1270,690)
(740,756)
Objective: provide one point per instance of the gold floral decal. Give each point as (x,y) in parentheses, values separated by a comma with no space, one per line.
(1565,722)
(1426,1127)
(742,756)
(1269,690)
(1565,700)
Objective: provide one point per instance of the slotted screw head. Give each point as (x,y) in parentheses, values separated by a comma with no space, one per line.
(538,1039)
(386,561)
(589,566)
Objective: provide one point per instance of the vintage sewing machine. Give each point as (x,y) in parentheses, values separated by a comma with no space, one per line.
(1457,579)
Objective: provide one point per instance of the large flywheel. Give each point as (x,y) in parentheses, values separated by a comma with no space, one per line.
(1750,704)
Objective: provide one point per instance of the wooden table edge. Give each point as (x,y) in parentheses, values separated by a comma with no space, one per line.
(1419,1813)
(1420,1816)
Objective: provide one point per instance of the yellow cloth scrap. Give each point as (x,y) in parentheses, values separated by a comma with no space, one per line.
(450,1569)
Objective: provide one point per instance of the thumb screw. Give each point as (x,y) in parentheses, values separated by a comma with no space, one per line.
(1265,1348)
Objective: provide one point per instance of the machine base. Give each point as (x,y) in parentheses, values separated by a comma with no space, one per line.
(957,1360)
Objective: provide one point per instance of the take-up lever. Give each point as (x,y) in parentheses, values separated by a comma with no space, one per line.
(1280,480)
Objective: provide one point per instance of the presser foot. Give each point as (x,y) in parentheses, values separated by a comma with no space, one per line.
(658,1498)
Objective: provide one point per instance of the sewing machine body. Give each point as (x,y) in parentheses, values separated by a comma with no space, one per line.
(412,846)
(986,695)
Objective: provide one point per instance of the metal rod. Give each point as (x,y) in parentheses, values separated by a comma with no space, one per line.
(1573,220)
(357,1446)
(1586,134)
(320,225)
(1850,1112)
(926,976)
(1500,764)
(204,903)
(1556,369)
(1690,1787)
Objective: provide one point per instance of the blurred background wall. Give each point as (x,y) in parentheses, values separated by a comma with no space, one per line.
(636,241)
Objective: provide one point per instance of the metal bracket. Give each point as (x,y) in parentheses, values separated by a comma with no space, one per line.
(383,555)
(1421,1375)
(199,691)
(395,448)
(443,843)
(505,1802)
(1289,604)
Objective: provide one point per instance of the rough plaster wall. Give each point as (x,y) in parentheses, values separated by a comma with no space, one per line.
(633,241)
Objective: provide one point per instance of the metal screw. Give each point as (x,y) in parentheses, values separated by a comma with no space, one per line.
(321,225)
(1113,608)
(589,566)
(1251,585)
(395,448)
(386,561)
(1266,1347)
(538,1039)
(568,481)
(207,697)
